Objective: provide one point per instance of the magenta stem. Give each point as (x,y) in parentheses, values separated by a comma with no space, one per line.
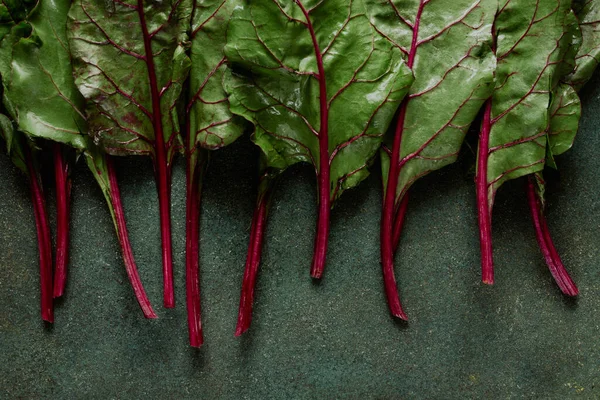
(483,200)
(387,239)
(389,236)
(63,198)
(324,186)
(259,221)
(161,165)
(192,251)
(123,236)
(542,234)
(43,237)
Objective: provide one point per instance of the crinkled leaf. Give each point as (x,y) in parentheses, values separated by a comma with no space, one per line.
(453,69)
(38,84)
(565,106)
(13,26)
(565,109)
(588,57)
(277,88)
(532,40)
(12,12)
(565,112)
(127,108)
(212,125)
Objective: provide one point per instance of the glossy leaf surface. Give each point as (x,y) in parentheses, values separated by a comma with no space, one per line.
(565,109)
(212,125)
(38,82)
(271,44)
(130,65)
(532,40)
(450,45)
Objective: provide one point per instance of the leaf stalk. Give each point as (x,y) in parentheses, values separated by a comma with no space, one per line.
(63,199)
(43,237)
(542,234)
(483,200)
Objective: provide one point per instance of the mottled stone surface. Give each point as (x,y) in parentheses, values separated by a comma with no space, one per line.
(519,338)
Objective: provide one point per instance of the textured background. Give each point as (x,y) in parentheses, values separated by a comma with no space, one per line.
(519,338)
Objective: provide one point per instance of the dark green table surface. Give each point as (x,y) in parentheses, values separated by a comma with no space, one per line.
(518,339)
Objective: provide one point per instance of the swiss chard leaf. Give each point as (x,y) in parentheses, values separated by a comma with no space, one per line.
(38,81)
(210,125)
(530,49)
(532,40)
(130,64)
(447,93)
(565,109)
(101,166)
(14,28)
(448,46)
(280,93)
(131,78)
(319,85)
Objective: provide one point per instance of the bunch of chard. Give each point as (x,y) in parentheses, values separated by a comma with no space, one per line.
(447,44)
(168,80)
(321,87)
(45,107)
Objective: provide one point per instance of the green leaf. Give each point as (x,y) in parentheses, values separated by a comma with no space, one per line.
(533,38)
(38,81)
(453,69)
(565,112)
(565,106)
(588,57)
(277,84)
(130,64)
(212,125)
(12,27)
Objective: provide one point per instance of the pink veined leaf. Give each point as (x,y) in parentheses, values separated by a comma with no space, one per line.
(447,44)
(564,114)
(209,126)
(42,99)
(588,56)
(130,65)
(320,86)
(532,39)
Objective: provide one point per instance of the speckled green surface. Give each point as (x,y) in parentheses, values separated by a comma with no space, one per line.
(517,339)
